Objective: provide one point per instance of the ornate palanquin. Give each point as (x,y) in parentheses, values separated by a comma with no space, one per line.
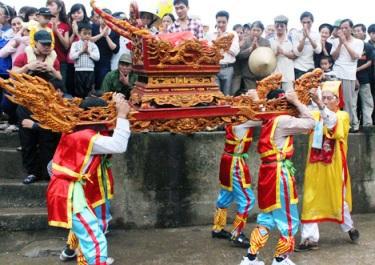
(176,88)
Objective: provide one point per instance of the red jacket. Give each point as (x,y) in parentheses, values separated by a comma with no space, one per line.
(270,168)
(73,162)
(234,151)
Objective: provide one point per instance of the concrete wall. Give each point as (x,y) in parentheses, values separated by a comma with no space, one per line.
(168,180)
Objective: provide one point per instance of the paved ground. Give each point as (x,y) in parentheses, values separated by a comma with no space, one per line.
(188,246)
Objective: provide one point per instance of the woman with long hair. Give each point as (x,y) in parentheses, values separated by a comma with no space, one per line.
(60,27)
(28,13)
(77,14)
(18,42)
(325,31)
(6,15)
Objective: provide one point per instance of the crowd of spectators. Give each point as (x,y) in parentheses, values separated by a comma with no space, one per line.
(82,56)
(79,55)
(340,49)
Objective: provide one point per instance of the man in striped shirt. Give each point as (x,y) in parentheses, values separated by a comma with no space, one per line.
(184,22)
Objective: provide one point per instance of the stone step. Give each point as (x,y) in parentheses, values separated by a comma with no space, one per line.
(13,194)
(11,163)
(21,219)
(9,139)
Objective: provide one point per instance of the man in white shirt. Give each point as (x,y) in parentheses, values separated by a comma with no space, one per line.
(224,77)
(305,45)
(346,50)
(282,46)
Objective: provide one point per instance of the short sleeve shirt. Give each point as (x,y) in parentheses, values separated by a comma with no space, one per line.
(345,67)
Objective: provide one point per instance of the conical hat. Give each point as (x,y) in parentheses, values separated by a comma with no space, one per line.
(262,62)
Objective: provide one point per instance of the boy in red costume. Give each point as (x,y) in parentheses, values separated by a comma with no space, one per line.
(78,163)
(235,181)
(277,195)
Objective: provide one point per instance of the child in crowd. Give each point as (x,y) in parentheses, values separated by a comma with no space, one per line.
(43,18)
(326,65)
(84,53)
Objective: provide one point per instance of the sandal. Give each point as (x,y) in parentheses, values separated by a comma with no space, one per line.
(30,179)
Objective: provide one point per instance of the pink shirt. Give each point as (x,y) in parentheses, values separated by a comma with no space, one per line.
(10,49)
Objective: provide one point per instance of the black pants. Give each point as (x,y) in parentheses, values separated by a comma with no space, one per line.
(298,73)
(372,83)
(38,147)
(84,83)
(69,82)
(9,108)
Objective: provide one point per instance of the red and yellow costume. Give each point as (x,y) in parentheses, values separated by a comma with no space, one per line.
(235,179)
(73,162)
(270,169)
(277,193)
(235,149)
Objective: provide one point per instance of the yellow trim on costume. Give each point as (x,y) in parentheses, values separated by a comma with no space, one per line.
(98,203)
(271,208)
(59,224)
(72,173)
(100,180)
(226,188)
(243,180)
(245,140)
(88,152)
(291,187)
(70,203)
(109,191)
(232,165)
(278,168)
(280,156)
(268,153)
(66,171)
(69,210)
(278,176)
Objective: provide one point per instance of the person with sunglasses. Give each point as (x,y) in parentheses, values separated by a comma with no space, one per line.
(122,79)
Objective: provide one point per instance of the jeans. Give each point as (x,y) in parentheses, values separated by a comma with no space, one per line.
(224,80)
